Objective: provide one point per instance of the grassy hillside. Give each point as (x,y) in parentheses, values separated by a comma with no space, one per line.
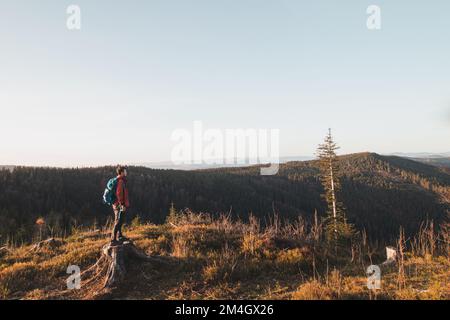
(221,259)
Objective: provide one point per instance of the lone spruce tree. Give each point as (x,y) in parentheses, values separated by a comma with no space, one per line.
(337,230)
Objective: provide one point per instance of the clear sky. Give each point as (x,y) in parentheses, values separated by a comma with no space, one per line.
(114,91)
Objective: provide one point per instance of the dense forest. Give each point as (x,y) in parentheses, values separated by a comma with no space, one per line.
(379,193)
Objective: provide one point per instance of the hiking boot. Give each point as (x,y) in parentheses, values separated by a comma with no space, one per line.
(114,242)
(123,239)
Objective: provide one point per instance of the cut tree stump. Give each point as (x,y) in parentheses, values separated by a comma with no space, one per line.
(391,256)
(116,257)
(110,270)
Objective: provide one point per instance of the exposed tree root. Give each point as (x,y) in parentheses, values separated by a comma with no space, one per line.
(110,270)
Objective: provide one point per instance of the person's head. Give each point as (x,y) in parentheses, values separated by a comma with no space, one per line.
(121,171)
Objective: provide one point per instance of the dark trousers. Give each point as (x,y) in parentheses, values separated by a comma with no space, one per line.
(118,222)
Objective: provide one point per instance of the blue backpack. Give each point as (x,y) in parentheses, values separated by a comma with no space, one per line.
(109,196)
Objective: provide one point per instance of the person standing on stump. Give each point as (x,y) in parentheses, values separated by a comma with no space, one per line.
(120,205)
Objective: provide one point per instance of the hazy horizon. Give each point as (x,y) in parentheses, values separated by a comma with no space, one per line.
(168,164)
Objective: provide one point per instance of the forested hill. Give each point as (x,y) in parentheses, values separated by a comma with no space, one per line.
(380,194)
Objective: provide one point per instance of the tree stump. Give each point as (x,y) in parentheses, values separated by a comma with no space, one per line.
(110,270)
(116,257)
(391,255)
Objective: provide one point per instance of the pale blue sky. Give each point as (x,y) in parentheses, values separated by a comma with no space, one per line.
(115,90)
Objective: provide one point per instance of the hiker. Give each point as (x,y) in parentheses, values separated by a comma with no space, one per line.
(120,204)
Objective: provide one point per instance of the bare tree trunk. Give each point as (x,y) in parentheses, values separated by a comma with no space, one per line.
(333,197)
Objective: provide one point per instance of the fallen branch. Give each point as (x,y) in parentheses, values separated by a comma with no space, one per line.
(49,243)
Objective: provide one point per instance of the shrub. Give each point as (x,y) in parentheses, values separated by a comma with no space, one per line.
(221,266)
(313,290)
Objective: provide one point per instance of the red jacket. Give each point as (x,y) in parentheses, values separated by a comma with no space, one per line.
(122,192)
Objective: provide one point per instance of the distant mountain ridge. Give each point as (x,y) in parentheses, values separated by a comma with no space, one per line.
(439,162)
(421,155)
(218,163)
(438,159)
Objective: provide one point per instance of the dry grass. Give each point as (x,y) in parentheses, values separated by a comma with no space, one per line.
(224,259)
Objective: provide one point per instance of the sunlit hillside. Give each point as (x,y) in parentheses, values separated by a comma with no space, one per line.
(206,258)
(380,194)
